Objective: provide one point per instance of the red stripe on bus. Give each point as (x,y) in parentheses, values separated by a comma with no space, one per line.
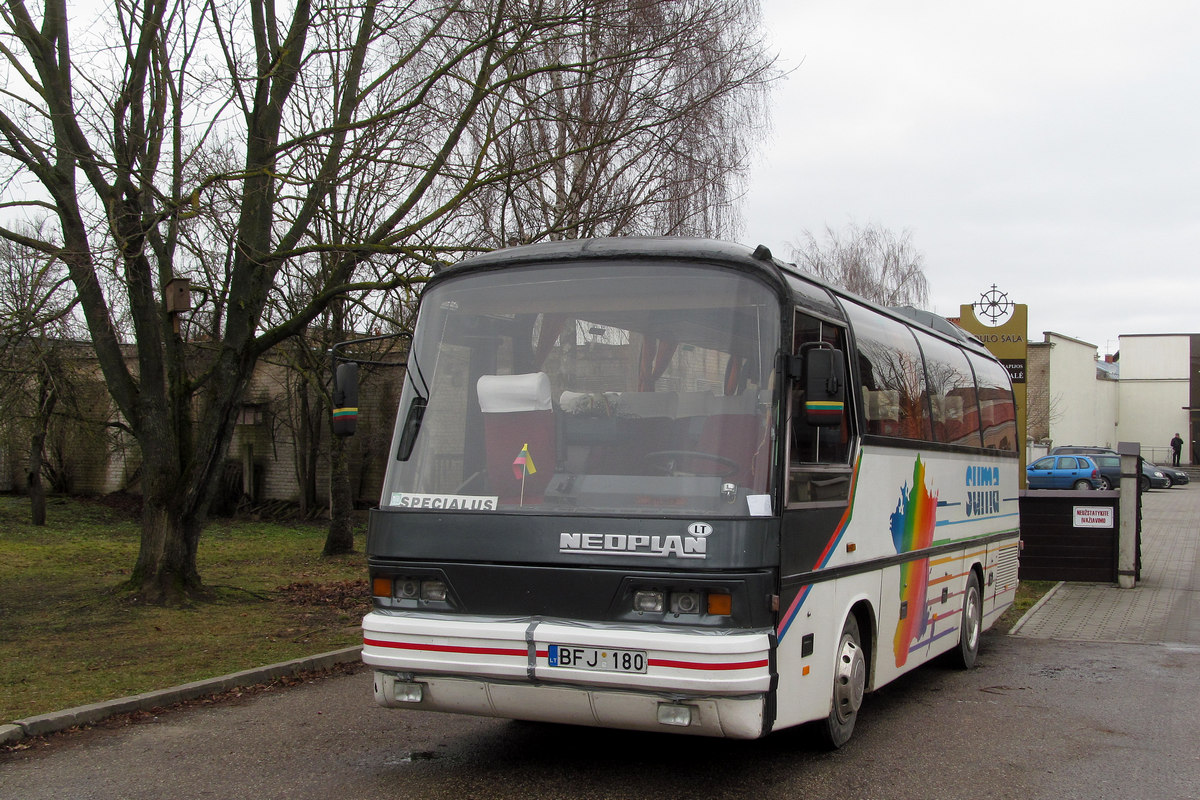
(659,662)
(449,648)
(505,651)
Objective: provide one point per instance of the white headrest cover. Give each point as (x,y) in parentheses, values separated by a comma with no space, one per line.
(502,394)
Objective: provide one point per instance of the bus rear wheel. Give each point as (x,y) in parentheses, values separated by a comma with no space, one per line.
(849,684)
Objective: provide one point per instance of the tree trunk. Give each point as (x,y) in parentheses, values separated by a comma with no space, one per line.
(341,500)
(37,453)
(37,492)
(340,538)
(311,421)
(301,430)
(174,508)
(166,572)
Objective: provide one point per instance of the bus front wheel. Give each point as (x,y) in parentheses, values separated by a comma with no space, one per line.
(849,684)
(971,625)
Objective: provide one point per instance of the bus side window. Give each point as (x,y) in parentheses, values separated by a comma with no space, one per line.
(819,455)
(892,371)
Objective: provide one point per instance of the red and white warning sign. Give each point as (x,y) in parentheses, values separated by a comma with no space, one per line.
(1094,516)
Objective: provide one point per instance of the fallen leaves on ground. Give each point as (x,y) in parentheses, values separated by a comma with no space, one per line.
(342,595)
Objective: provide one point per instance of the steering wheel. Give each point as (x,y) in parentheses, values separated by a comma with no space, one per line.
(671,462)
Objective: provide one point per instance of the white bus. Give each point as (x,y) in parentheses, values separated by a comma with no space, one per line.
(676,485)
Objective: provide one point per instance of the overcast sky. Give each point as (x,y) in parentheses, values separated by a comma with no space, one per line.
(1049,147)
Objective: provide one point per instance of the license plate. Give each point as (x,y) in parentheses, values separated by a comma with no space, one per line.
(606,659)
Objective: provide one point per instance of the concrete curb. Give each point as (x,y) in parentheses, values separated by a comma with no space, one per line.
(94,712)
(1033,610)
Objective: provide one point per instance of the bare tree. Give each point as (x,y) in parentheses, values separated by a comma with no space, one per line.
(653,139)
(37,355)
(873,262)
(225,142)
(644,126)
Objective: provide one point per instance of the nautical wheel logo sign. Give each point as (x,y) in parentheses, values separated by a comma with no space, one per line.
(994,305)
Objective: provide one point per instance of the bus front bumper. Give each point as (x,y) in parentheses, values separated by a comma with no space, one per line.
(702,682)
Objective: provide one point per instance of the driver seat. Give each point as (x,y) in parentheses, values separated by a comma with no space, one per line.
(517,412)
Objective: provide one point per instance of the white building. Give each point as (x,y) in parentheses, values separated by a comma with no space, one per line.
(1152,393)
(1156,393)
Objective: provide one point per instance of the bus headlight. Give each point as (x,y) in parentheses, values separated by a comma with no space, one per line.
(648,602)
(433,591)
(412,591)
(685,602)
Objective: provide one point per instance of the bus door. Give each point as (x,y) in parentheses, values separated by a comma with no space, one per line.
(818,459)
(820,451)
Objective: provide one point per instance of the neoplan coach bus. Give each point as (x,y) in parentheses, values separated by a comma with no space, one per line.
(666,484)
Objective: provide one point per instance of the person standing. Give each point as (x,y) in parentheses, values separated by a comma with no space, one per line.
(1176,446)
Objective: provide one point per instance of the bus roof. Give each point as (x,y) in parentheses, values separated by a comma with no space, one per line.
(647,247)
(759,261)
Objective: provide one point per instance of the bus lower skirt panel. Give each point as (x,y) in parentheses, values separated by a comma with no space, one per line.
(730,717)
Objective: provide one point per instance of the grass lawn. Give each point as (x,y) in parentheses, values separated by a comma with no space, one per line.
(1028,593)
(67,638)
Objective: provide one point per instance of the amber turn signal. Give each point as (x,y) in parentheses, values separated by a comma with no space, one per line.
(721,604)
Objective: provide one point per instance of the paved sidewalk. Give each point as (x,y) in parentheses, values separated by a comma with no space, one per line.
(1164,607)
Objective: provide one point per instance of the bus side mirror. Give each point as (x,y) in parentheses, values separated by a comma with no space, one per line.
(824,386)
(345,399)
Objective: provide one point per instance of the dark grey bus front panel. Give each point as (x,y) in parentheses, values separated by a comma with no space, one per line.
(585,568)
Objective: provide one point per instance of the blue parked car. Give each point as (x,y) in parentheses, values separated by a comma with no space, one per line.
(1063,472)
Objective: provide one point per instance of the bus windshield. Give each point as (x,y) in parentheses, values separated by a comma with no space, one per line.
(630,388)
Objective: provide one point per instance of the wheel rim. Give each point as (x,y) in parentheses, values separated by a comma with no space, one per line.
(850,680)
(972,623)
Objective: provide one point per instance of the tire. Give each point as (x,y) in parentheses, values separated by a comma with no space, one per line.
(1105,484)
(1170,482)
(971,624)
(1081,485)
(849,685)
(1144,483)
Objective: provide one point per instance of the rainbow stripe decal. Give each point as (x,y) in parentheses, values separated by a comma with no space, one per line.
(823,409)
(913,523)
